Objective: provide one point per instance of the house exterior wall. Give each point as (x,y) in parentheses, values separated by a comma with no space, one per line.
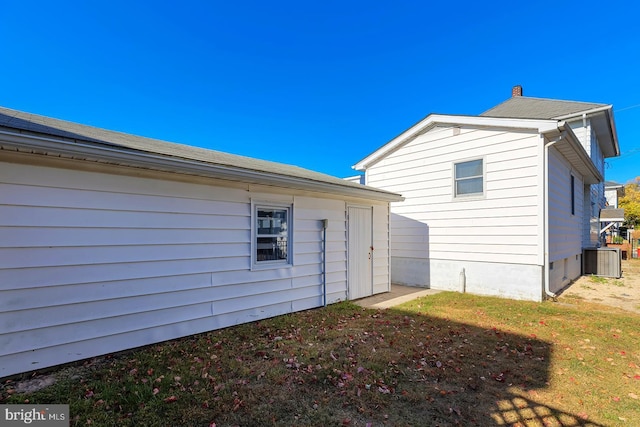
(494,238)
(93,262)
(565,222)
(596,199)
(611,197)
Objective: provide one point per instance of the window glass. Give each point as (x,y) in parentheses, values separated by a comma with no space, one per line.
(469,169)
(469,178)
(272,234)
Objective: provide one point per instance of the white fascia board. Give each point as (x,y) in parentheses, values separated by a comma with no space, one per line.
(433,120)
(586,112)
(608,110)
(133,158)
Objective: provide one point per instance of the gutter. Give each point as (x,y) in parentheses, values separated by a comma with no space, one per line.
(582,113)
(146,160)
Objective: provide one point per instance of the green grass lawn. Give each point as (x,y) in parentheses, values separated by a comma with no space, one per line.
(448,359)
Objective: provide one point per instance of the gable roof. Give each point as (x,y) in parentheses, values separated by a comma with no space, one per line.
(520,112)
(21,131)
(601,116)
(522,107)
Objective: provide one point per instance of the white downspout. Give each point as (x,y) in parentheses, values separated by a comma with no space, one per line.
(325,224)
(547,291)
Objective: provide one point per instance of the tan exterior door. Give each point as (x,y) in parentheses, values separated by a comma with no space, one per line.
(360,263)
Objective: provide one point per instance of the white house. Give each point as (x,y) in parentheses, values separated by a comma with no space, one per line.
(612,193)
(110,241)
(499,204)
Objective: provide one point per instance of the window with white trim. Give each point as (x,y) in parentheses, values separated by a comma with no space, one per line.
(271,235)
(468,178)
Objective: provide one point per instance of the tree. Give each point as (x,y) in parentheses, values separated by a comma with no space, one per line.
(630,202)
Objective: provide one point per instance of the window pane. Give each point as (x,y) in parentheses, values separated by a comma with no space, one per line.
(272,234)
(469,169)
(469,186)
(271,249)
(272,221)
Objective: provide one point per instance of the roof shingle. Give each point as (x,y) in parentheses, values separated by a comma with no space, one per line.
(40,125)
(521,107)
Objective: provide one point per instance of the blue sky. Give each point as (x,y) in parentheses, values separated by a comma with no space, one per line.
(316,84)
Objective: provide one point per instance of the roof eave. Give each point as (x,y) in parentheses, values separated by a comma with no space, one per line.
(614,149)
(570,147)
(160,162)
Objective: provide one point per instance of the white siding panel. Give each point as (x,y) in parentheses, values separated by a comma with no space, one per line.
(94,262)
(95,328)
(62,256)
(104,200)
(26,237)
(62,217)
(565,228)
(18,299)
(53,315)
(23,278)
(37,176)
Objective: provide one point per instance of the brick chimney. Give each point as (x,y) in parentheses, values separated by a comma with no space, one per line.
(516,91)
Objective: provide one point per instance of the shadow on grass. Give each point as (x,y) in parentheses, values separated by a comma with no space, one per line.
(343,365)
(520,411)
(479,376)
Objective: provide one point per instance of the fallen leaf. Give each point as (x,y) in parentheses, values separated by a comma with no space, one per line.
(170,399)
(156,391)
(633,395)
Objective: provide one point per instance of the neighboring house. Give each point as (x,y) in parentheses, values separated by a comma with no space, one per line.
(612,193)
(611,218)
(499,204)
(358,179)
(110,241)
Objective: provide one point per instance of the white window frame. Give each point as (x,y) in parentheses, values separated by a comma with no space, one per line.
(270,264)
(477,195)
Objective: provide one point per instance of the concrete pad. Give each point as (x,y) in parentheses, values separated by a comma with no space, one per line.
(399,294)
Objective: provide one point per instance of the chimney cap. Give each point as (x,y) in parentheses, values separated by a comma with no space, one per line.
(516,91)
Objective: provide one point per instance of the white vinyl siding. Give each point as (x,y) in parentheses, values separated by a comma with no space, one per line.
(94,262)
(501,227)
(594,199)
(564,227)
